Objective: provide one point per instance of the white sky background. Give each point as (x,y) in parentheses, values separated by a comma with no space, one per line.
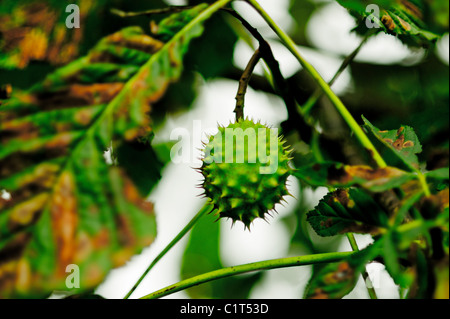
(175,196)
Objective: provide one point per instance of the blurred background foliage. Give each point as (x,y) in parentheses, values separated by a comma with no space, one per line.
(34,42)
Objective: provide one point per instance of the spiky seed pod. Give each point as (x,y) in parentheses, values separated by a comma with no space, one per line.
(245,169)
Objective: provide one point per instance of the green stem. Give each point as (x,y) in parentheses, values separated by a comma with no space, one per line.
(351,122)
(367,281)
(315,147)
(352,241)
(423,182)
(261,265)
(206,209)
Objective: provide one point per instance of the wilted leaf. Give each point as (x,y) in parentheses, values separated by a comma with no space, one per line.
(415,22)
(340,175)
(336,280)
(347,210)
(68,205)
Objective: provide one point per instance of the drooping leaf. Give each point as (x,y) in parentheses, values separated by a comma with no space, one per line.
(340,175)
(347,210)
(336,280)
(415,22)
(202,254)
(399,147)
(68,205)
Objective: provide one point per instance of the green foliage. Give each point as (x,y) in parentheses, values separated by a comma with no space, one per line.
(402,232)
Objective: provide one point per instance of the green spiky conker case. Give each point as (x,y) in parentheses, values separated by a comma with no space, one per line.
(249,189)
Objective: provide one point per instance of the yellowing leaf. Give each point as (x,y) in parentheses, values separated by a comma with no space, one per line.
(68,205)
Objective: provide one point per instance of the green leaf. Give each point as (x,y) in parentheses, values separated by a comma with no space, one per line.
(439,174)
(336,280)
(201,256)
(414,22)
(399,147)
(339,175)
(68,205)
(347,210)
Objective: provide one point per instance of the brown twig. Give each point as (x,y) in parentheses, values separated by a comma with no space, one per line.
(281,85)
(243,84)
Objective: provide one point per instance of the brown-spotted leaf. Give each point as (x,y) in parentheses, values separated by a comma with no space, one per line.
(398,147)
(347,210)
(67,205)
(414,22)
(37,31)
(341,175)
